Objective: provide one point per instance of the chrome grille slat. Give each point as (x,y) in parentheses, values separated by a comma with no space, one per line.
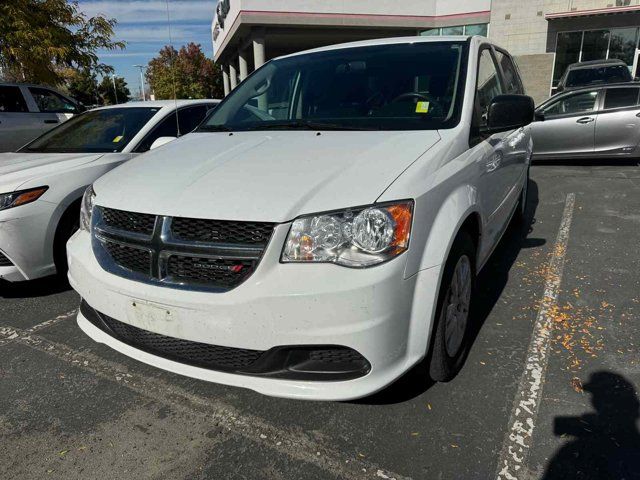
(198,263)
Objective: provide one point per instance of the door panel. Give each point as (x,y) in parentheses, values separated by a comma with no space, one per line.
(568,127)
(618,125)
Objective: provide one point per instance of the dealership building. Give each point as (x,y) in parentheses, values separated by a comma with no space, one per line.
(544,35)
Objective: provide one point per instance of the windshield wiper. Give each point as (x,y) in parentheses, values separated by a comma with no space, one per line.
(214,128)
(306,125)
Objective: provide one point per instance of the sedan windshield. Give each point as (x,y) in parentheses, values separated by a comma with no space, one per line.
(107,130)
(409,86)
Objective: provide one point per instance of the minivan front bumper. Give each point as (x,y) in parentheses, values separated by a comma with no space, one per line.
(374,312)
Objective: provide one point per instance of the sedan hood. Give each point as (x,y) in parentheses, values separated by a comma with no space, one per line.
(260,176)
(18,168)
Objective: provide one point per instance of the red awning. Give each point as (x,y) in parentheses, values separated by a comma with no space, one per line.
(592,12)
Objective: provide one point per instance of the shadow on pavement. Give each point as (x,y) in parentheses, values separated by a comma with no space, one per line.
(606,443)
(41,287)
(491,282)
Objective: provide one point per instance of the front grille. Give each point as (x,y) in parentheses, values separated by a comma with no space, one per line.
(187,253)
(4,261)
(224,273)
(192,353)
(249,233)
(134,259)
(129,221)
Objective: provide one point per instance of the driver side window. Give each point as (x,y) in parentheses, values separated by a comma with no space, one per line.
(583,102)
(488,86)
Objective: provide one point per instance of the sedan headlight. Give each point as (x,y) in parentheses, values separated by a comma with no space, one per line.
(20,197)
(359,237)
(86,208)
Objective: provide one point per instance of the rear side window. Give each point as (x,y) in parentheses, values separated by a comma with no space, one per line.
(189,118)
(621,97)
(50,102)
(11,100)
(489,85)
(512,82)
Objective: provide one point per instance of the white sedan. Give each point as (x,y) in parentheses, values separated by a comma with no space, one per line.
(41,185)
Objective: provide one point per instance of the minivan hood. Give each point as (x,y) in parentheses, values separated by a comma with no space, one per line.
(18,168)
(262,176)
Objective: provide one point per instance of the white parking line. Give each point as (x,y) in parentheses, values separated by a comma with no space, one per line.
(522,422)
(292,442)
(7,334)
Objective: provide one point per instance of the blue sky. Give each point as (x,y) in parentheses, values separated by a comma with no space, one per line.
(143,25)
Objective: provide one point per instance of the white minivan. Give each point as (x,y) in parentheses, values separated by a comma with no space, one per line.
(28,111)
(320,232)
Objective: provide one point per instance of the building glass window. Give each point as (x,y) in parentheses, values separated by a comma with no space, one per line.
(480,29)
(616,43)
(623,44)
(567,52)
(476,29)
(595,45)
(453,30)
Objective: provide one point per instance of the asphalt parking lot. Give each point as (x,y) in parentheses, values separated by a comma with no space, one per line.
(550,389)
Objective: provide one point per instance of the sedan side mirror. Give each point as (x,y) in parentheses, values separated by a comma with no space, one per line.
(539,117)
(509,112)
(160,141)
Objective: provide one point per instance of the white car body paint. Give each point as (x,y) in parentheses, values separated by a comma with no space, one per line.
(385,313)
(27,231)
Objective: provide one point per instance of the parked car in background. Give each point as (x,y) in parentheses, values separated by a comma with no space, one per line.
(320,232)
(596,72)
(27,111)
(594,122)
(41,185)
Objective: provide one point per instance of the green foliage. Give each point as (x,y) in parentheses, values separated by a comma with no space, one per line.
(108,94)
(83,86)
(41,39)
(189,71)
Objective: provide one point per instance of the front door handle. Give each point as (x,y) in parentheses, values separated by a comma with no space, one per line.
(585,120)
(51,121)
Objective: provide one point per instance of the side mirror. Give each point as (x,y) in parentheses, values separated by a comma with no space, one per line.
(539,116)
(160,141)
(509,112)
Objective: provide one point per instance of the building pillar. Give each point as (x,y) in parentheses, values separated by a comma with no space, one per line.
(258,51)
(225,80)
(234,76)
(244,67)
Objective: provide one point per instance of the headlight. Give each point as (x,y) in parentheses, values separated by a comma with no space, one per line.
(86,208)
(359,237)
(21,197)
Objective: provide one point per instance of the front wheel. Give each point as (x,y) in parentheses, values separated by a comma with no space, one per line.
(450,343)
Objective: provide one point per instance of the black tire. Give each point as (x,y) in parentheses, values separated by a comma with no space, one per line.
(444,364)
(521,210)
(69,224)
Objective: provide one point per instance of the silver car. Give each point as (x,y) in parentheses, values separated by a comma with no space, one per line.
(27,111)
(595,122)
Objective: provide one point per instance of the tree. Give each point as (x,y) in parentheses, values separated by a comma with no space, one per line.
(40,40)
(105,89)
(83,86)
(189,71)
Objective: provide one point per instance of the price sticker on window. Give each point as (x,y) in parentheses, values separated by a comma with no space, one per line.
(117,139)
(422,107)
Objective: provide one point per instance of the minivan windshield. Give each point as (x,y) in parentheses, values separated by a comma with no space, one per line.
(408,86)
(599,75)
(99,131)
